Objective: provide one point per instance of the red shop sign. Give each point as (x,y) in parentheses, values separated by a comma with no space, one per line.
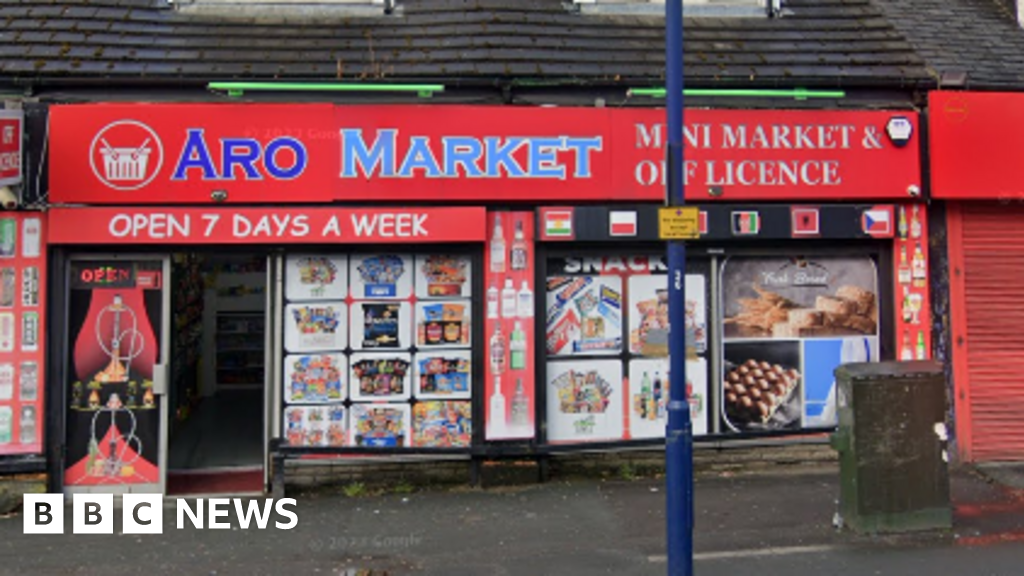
(10,146)
(136,154)
(975,143)
(265,225)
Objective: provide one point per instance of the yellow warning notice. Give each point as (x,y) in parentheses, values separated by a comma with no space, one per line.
(679,223)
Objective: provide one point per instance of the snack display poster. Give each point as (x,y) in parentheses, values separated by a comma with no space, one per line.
(584,400)
(113,416)
(443,324)
(443,276)
(316,277)
(442,424)
(380,376)
(381,276)
(22,333)
(648,315)
(316,425)
(384,325)
(380,425)
(314,327)
(913,306)
(315,378)
(647,404)
(443,375)
(509,385)
(584,315)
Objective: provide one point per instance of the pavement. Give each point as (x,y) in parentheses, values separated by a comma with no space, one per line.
(758,525)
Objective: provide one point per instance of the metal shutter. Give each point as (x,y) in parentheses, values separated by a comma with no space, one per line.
(991,324)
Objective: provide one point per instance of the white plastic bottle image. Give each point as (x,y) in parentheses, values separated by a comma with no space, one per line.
(497,415)
(493,302)
(508,300)
(498,247)
(525,301)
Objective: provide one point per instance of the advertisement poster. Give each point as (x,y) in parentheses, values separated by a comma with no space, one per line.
(113,421)
(381,276)
(315,378)
(315,327)
(584,315)
(649,392)
(789,322)
(381,326)
(380,425)
(312,277)
(315,425)
(22,337)
(442,424)
(509,330)
(584,400)
(648,315)
(443,276)
(381,376)
(443,324)
(444,375)
(913,306)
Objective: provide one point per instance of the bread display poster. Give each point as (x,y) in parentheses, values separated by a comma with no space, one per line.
(780,314)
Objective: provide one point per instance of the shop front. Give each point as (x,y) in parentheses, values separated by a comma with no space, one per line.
(395,297)
(974,139)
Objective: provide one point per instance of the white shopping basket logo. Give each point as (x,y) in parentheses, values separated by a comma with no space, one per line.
(126,155)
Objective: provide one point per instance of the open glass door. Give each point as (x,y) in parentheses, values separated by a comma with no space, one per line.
(115,352)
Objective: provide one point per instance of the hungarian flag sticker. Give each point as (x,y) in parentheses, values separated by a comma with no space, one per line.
(746,223)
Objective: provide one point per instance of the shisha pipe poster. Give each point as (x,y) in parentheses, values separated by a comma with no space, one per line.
(113,421)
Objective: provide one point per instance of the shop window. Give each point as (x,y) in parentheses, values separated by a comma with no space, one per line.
(378,350)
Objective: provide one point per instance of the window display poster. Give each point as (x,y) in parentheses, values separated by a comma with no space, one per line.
(381,325)
(648,315)
(821,357)
(442,424)
(381,276)
(315,378)
(584,400)
(443,324)
(443,276)
(113,412)
(315,327)
(787,298)
(647,404)
(509,326)
(762,388)
(443,375)
(584,315)
(380,376)
(316,277)
(913,306)
(380,425)
(315,425)
(22,332)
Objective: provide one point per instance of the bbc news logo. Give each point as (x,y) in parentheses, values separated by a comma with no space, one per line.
(144,514)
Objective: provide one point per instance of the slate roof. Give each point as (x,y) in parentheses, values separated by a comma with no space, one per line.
(979,37)
(817,43)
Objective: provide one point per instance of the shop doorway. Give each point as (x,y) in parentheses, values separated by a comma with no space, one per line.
(218,372)
(167,372)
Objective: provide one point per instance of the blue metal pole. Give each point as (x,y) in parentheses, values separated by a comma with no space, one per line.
(679,432)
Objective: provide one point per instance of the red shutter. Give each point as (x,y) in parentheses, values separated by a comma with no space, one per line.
(990,318)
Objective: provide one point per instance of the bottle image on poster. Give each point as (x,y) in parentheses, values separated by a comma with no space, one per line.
(28,382)
(313,277)
(649,385)
(8,286)
(6,381)
(584,400)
